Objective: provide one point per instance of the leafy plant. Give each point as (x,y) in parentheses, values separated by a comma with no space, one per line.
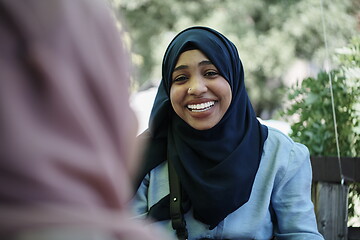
(311,114)
(315,124)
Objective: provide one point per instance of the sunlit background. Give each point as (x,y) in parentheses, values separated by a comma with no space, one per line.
(279,41)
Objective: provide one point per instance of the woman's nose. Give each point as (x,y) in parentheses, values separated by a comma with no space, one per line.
(197,86)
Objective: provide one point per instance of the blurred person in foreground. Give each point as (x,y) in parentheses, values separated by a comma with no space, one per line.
(67,139)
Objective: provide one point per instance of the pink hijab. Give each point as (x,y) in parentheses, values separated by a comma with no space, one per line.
(67,133)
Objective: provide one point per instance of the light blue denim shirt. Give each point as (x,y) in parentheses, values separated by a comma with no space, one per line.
(280,202)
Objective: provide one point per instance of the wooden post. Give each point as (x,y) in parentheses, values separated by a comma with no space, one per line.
(331,208)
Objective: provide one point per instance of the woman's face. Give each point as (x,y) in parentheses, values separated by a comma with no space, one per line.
(199,94)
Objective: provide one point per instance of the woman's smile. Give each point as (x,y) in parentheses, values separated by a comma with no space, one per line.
(201,107)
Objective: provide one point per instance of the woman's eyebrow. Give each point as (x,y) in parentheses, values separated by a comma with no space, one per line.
(202,63)
(205,62)
(181,67)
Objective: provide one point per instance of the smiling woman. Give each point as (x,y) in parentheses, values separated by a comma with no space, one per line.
(238,178)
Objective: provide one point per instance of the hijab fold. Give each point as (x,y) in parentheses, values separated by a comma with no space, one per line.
(217,166)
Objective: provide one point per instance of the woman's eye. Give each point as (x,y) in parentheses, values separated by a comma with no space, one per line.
(180,79)
(211,74)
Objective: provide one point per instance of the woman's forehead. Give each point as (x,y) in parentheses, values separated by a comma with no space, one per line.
(191,56)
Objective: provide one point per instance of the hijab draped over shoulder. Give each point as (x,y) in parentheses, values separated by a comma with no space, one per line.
(216,167)
(67,131)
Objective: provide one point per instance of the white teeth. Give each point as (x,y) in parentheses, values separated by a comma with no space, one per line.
(201,107)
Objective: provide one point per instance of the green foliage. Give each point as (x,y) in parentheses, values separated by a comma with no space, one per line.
(311,112)
(270,35)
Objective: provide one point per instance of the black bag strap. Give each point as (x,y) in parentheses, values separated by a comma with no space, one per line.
(177,218)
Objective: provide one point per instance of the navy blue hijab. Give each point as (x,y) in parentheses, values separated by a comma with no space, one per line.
(216,167)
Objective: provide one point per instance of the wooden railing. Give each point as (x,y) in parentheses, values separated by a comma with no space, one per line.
(330,197)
